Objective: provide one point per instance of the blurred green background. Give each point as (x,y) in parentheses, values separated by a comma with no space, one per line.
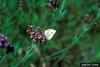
(73,43)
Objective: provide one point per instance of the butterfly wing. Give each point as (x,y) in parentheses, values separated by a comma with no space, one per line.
(49,33)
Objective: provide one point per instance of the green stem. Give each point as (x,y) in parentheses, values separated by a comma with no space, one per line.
(23,59)
(62,6)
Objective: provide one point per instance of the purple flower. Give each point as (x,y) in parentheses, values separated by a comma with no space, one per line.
(37,36)
(10,48)
(52,4)
(40,35)
(29,29)
(3,40)
(2,45)
(33,36)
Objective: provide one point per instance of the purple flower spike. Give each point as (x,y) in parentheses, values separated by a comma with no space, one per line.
(3,40)
(1,45)
(38,35)
(10,48)
(29,29)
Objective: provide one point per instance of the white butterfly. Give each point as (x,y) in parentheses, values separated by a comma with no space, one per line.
(49,33)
